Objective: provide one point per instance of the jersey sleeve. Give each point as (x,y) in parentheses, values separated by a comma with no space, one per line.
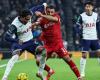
(12,29)
(98,26)
(8,35)
(79,20)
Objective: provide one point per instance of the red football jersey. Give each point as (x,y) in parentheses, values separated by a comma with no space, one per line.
(51,32)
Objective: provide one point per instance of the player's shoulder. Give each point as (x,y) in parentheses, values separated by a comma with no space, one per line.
(16,22)
(95,13)
(56,15)
(83,14)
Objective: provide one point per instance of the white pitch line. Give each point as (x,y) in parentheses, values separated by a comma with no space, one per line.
(4,65)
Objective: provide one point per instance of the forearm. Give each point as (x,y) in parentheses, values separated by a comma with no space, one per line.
(8,38)
(35,24)
(8,35)
(50,18)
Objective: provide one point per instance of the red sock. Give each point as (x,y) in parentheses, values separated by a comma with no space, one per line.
(47,68)
(74,68)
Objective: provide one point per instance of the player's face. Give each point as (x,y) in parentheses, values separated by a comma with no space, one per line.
(26,19)
(88,8)
(50,11)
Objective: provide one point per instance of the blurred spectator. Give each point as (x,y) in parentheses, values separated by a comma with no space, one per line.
(9,9)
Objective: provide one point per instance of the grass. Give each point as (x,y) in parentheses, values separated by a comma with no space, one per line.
(62,71)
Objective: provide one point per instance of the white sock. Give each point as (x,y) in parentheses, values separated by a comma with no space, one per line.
(99,60)
(42,65)
(10,65)
(82,66)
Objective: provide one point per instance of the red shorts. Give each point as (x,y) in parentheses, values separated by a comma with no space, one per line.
(61,52)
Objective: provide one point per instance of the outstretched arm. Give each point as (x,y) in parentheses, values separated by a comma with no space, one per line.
(40,8)
(49,17)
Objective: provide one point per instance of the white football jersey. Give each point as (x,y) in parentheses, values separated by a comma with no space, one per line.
(24,32)
(89,26)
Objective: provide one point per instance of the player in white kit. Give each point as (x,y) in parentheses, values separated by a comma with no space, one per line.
(87,22)
(21,27)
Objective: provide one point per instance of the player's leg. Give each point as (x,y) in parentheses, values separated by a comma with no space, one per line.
(85,49)
(96,48)
(16,50)
(65,55)
(83,63)
(11,63)
(98,54)
(40,60)
(47,68)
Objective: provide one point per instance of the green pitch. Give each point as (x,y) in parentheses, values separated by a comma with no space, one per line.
(62,71)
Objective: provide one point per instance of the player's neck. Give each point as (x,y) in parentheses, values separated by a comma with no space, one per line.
(89,13)
(20,19)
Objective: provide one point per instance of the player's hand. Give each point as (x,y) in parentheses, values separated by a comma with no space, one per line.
(38,13)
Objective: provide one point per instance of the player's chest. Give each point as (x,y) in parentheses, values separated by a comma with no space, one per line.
(24,28)
(89,19)
(48,25)
(89,22)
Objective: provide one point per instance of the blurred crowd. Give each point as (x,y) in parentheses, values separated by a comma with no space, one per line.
(9,9)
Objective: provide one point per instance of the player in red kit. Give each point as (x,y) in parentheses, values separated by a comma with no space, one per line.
(52,38)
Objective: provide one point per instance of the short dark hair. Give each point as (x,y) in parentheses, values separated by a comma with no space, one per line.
(51,6)
(89,3)
(24,13)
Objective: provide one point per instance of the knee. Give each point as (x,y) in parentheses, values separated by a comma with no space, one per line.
(39,49)
(18,52)
(84,55)
(98,53)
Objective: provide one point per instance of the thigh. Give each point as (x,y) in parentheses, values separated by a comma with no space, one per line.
(85,45)
(16,49)
(33,45)
(95,45)
(62,52)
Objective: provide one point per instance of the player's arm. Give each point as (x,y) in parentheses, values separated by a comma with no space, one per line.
(40,8)
(98,21)
(34,24)
(98,27)
(8,35)
(78,28)
(49,17)
(37,23)
(79,23)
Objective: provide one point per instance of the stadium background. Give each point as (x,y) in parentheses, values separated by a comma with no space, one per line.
(68,9)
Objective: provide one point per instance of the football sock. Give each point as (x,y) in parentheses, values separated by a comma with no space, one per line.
(74,68)
(99,60)
(47,68)
(42,65)
(10,65)
(82,66)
